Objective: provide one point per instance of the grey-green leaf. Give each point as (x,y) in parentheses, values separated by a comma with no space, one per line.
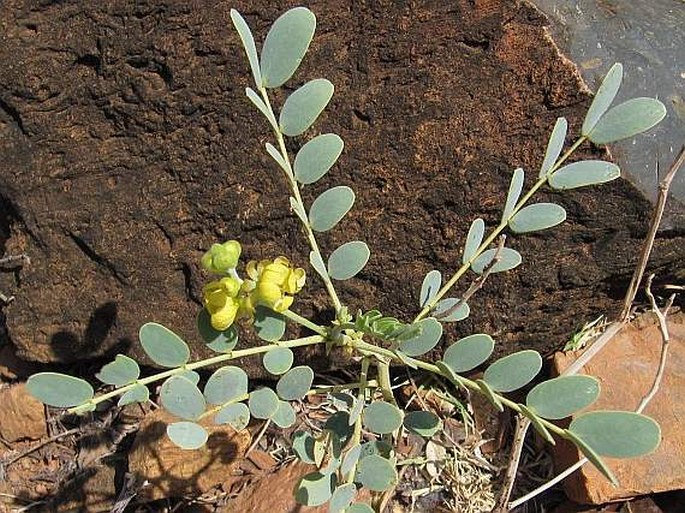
(515,188)
(376,473)
(59,390)
(591,455)
(303,446)
(427,338)
(342,497)
(304,105)
(339,423)
(330,207)
(473,239)
(316,157)
(187,435)
(218,341)
(382,418)
(237,415)
(182,398)
(617,434)
(263,403)
(469,352)
(350,460)
(261,106)
(445,310)
(536,217)
(248,44)
(315,489)
(163,346)
(583,173)
(191,376)
(284,416)
(628,119)
(423,423)
(138,394)
(563,396)
(295,383)
(602,100)
(348,260)
(317,263)
(269,325)
(285,46)
(359,507)
(226,384)
(122,371)
(430,287)
(536,421)
(554,146)
(490,394)
(508,259)
(278,360)
(276,155)
(513,371)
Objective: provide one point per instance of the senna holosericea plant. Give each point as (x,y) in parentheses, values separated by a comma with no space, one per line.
(355,448)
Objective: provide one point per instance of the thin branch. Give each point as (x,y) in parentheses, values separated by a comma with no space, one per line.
(512,468)
(41,444)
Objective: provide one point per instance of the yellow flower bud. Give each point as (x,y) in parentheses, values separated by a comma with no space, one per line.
(222,257)
(221,301)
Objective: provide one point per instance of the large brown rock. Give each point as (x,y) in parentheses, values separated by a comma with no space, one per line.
(626,368)
(128,148)
(21,415)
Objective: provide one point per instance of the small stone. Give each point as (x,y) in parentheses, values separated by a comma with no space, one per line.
(174,472)
(21,415)
(626,368)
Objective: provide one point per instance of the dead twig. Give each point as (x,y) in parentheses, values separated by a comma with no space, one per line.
(514,461)
(41,444)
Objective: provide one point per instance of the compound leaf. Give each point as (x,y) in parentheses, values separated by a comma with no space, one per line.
(605,95)
(226,384)
(617,434)
(248,44)
(508,259)
(295,383)
(187,435)
(182,398)
(426,339)
(316,157)
(430,287)
(469,352)
(628,119)
(330,207)
(536,217)
(304,105)
(515,188)
(285,46)
(315,489)
(513,371)
(163,346)
(347,260)
(278,360)
(583,173)
(269,325)
(376,473)
(122,371)
(563,396)
(237,415)
(218,341)
(263,403)
(473,239)
(382,418)
(554,146)
(59,390)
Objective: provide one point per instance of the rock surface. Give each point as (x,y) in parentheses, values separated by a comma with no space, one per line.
(626,368)
(21,415)
(129,148)
(175,472)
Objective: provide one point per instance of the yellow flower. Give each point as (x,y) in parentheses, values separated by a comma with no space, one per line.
(272,284)
(222,257)
(221,301)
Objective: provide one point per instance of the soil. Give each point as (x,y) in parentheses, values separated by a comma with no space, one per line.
(129,148)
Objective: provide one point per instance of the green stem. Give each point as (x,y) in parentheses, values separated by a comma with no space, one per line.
(496,232)
(357,435)
(298,198)
(327,389)
(304,322)
(211,411)
(369,349)
(233,355)
(383,368)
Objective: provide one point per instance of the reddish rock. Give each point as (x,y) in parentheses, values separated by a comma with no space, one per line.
(626,368)
(175,472)
(21,415)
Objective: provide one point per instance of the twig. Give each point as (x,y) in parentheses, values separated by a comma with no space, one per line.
(258,438)
(613,328)
(50,440)
(512,468)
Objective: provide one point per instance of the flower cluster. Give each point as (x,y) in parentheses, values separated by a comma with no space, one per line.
(270,283)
